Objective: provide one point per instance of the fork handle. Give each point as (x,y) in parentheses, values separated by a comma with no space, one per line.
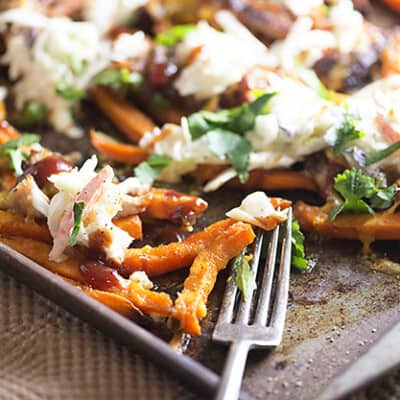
(231,379)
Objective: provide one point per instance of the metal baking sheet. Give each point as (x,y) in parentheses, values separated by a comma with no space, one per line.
(336,312)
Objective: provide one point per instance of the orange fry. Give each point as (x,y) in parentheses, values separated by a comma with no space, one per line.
(15,225)
(131,121)
(174,206)
(118,303)
(148,301)
(190,306)
(117,151)
(39,252)
(131,224)
(276,179)
(7,132)
(166,258)
(364,227)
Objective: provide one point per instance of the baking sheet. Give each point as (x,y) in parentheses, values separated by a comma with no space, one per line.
(336,312)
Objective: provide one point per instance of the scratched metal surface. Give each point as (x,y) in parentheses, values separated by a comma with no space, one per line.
(337,311)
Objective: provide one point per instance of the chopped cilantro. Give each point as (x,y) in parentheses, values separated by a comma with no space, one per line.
(346,134)
(376,156)
(298,253)
(148,170)
(361,194)
(158,102)
(238,120)
(244,275)
(225,130)
(118,77)
(174,35)
(236,148)
(12,150)
(69,92)
(33,113)
(78,214)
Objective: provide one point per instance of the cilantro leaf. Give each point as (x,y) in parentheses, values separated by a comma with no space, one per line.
(69,92)
(238,120)
(78,214)
(244,276)
(346,134)
(236,148)
(244,117)
(361,194)
(148,170)
(384,198)
(158,102)
(174,35)
(118,77)
(24,140)
(376,156)
(33,113)
(12,150)
(298,252)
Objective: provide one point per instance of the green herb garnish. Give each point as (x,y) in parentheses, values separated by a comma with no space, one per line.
(244,276)
(298,253)
(238,120)
(158,102)
(376,156)
(361,194)
(225,130)
(237,149)
(117,78)
(78,214)
(69,92)
(12,150)
(148,170)
(32,114)
(346,134)
(174,35)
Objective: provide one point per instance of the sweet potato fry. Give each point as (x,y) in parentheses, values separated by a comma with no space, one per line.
(364,227)
(276,179)
(131,121)
(39,252)
(117,151)
(131,224)
(118,303)
(7,132)
(176,207)
(15,225)
(147,300)
(166,258)
(190,306)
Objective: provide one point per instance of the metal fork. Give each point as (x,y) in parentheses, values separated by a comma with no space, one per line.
(259,321)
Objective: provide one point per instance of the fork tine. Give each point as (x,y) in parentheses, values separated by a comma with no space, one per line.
(245,306)
(264,300)
(228,301)
(282,291)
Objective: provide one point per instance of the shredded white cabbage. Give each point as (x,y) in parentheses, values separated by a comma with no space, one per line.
(61,52)
(108,13)
(220,62)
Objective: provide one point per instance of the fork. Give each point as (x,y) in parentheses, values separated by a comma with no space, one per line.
(258,321)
